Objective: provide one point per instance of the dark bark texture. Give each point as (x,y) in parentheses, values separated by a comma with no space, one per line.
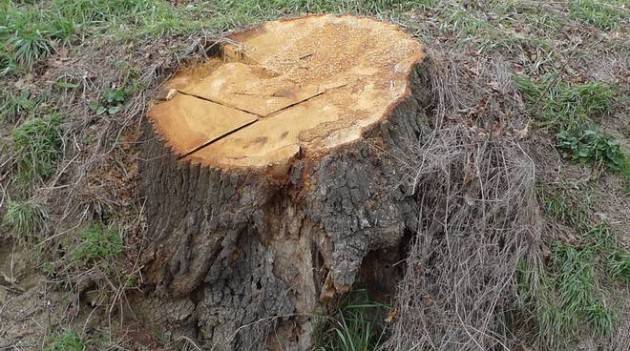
(256,254)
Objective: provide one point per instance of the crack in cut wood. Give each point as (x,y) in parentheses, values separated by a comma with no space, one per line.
(269,115)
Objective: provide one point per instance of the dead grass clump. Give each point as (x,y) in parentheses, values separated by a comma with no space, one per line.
(479,217)
(478,220)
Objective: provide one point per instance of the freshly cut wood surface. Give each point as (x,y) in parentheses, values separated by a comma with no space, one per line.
(298,86)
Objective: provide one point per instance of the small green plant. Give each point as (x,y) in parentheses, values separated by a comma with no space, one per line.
(356,326)
(605,14)
(592,146)
(111,102)
(26,219)
(69,340)
(97,243)
(37,147)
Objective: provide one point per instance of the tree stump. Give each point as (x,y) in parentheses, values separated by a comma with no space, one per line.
(269,178)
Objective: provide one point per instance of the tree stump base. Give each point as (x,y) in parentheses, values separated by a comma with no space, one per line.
(269,177)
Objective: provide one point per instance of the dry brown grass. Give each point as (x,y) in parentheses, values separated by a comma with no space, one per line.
(479,218)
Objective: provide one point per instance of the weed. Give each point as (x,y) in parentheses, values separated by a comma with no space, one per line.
(69,340)
(26,219)
(625,172)
(37,146)
(97,243)
(592,146)
(577,286)
(600,317)
(564,297)
(7,62)
(111,102)
(616,258)
(62,29)
(605,14)
(576,278)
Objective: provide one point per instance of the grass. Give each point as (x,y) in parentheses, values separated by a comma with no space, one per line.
(567,205)
(558,105)
(97,243)
(69,340)
(36,26)
(616,258)
(356,325)
(604,14)
(618,264)
(37,146)
(570,296)
(16,106)
(570,111)
(26,219)
(30,47)
(578,289)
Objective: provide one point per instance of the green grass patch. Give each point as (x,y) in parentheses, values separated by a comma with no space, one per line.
(25,219)
(579,290)
(615,257)
(30,29)
(570,111)
(618,264)
(14,107)
(36,147)
(562,106)
(30,46)
(571,295)
(356,326)
(569,206)
(604,14)
(69,340)
(97,243)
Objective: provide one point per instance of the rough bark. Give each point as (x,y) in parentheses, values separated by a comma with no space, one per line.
(258,252)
